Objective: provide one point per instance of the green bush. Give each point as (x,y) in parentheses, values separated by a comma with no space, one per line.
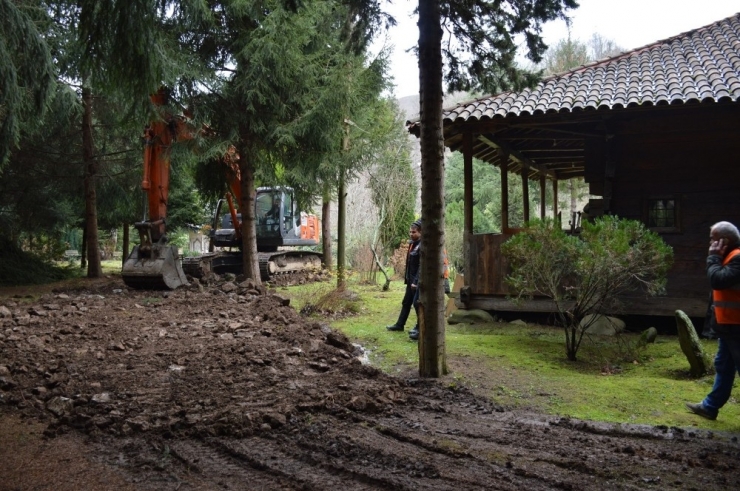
(18,267)
(586,274)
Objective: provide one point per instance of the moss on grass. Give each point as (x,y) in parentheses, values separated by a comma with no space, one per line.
(524,367)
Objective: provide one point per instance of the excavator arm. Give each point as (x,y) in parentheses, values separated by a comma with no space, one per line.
(154,264)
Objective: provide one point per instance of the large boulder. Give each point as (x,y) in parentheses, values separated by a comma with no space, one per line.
(472,316)
(699,362)
(602,325)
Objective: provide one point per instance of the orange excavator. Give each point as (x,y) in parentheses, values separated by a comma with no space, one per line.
(156,265)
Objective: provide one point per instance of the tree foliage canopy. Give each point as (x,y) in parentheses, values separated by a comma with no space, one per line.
(570,53)
(27,71)
(484,37)
(391,177)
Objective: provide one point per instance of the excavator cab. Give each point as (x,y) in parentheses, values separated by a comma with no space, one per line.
(275,217)
(278,223)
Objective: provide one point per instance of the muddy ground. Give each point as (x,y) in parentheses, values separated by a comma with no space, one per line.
(225,386)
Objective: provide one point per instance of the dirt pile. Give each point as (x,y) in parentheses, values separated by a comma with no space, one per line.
(230,359)
(221,384)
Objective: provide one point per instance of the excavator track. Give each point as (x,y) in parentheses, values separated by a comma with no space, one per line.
(287,262)
(271,264)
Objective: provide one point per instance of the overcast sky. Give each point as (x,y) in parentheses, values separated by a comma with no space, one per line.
(630,23)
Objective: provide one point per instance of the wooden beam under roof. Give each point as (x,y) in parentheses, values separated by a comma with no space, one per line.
(515,155)
(521,123)
(488,155)
(544,138)
(568,173)
(563,158)
(551,150)
(556,130)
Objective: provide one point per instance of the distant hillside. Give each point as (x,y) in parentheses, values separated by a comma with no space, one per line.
(410,104)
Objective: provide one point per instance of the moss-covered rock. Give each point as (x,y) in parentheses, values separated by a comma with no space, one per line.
(691,346)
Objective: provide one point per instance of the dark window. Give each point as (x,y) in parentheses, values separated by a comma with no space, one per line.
(663,214)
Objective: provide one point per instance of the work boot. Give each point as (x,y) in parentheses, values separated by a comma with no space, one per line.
(414,333)
(394,327)
(701,410)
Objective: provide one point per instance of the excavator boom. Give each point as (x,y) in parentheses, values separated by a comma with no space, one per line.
(154,264)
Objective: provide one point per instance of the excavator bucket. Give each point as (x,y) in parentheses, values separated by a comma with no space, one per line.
(156,269)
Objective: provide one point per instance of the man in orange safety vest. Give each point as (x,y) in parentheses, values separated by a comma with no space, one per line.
(723,272)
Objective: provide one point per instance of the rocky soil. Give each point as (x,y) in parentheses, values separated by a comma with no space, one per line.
(225,386)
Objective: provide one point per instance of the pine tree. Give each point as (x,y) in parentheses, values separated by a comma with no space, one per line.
(27,71)
(480,58)
(284,96)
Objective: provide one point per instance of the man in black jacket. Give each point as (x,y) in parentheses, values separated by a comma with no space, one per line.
(723,271)
(274,211)
(411,276)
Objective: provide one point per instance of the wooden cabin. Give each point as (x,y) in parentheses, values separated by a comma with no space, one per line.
(655,132)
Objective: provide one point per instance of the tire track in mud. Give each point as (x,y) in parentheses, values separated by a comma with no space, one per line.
(458,460)
(403,458)
(259,463)
(540,454)
(223,469)
(539,450)
(312,469)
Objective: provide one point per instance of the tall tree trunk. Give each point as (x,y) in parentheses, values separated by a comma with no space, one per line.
(94,269)
(341,231)
(113,241)
(126,242)
(326,227)
(250,259)
(342,214)
(432,360)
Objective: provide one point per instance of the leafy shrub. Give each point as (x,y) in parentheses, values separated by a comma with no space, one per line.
(587,274)
(18,267)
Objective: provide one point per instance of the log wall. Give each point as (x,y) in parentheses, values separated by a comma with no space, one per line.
(691,155)
(694,160)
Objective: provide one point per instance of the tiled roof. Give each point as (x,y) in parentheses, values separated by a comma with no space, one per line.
(698,66)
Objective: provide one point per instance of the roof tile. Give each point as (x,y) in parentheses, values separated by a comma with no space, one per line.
(699,65)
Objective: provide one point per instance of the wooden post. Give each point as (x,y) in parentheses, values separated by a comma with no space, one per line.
(555,198)
(126,242)
(504,166)
(468,199)
(525,193)
(543,183)
(610,165)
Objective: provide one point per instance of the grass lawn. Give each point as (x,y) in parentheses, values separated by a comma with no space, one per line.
(525,366)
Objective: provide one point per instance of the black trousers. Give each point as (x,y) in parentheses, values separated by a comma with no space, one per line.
(406,304)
